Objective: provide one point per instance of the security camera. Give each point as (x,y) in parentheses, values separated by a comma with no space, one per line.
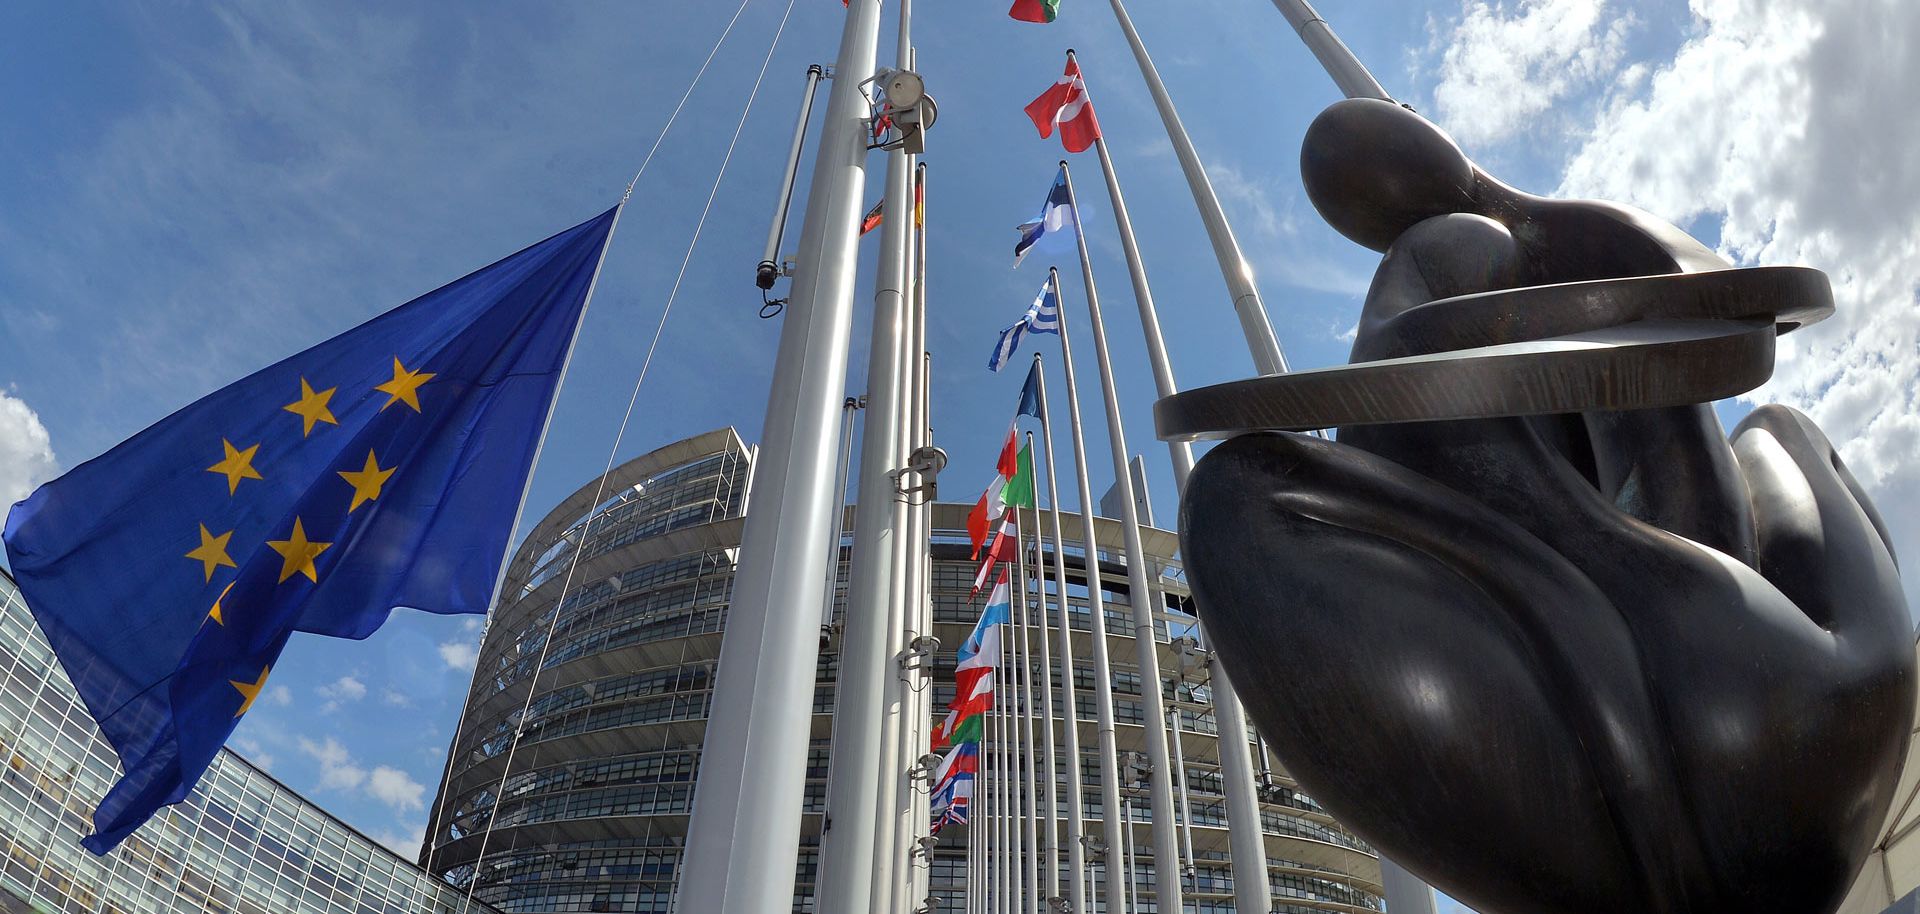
(925,462)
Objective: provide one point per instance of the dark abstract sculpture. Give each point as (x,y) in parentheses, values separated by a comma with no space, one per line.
(1551,641)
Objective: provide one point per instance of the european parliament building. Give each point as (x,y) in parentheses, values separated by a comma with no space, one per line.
(241,843)
(588,810)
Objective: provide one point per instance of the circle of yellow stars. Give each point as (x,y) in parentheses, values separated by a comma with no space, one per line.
(297,552)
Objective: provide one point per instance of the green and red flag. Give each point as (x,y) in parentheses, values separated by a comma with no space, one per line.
(1035,10)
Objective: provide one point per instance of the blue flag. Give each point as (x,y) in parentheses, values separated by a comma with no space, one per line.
(379,469)
(1055,214)
(1030,394)
(1043,316)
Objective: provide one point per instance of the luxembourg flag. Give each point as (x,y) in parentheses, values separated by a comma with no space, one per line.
(1066,103)
(1056,214)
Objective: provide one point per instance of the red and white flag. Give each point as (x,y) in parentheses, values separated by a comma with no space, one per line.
(1066,104)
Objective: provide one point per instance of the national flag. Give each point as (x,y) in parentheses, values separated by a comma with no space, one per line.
(962,759)
(998,612)
(315,495)
(1030,392)
(952,803)
(992,503)
(1018,492)
(1041,11)
(974,689)
(1055,214)
(1005,548)
(873,217)
(920,203)
(1043,316)
(1066,103)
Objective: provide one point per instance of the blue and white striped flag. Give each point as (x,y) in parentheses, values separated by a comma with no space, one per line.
(1043,316)
(1057,213)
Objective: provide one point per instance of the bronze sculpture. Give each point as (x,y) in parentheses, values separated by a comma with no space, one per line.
(1555,643)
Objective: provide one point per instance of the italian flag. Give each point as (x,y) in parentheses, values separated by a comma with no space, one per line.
(1035,10)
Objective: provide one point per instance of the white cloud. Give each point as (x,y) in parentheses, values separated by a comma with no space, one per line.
(396,698)
(346,688)
(1770,121)
(406,842)
(459,655)
(251,750)
(1501,68)
(337,770)
(26,452)
(396,788)
(280,695)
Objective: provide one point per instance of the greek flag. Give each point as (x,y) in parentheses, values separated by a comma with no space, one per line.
(1057,213)
(1043,316)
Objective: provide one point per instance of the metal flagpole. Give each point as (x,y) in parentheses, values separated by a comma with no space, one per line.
(1076,813)
(1347,71)
(1050,825)
(1165,846)
(1010,726)
(1096,600)
(1186,799)
(1003,696)
(1130,902)
(1026,722)
(915,545)
(743,837)
(857,859)
(1251,887)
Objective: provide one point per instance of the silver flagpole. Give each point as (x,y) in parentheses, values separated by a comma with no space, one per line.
(1016,842)
(1347,71)
(1251,888)
(857,859)
(1096,600)
(1186,800)
(918,513)
(1140,594)
(743,837)
(1076,812)
(1049,766)
(1027,745)
(1003,775)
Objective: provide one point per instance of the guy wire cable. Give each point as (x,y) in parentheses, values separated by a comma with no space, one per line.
(573,562)
(435,821)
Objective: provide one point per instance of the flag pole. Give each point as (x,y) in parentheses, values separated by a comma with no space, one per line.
(1339,61)
(1003,695)
(1076,813)
(857,849)
(1252,890)
(1027,745)
(743,838)
(1096,600)
(1050,853)
(919,514)
(1165,847)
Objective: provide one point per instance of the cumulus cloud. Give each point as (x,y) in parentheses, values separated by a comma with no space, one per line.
(396,788)
(337,769)
(1502,67)
(252,751)
(280,695)
(459,655)
(346,688)
(1770,121)
(26,452)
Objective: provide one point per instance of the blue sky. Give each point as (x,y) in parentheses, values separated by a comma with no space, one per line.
(191,192)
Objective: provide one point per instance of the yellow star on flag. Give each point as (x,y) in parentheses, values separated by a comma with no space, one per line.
(238,465)
(312,407)
(405,386)
(215,613)
(297,554)
(366,482)
(249,690)
(212,551)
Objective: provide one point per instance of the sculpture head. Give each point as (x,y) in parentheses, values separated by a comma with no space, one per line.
(1374,170)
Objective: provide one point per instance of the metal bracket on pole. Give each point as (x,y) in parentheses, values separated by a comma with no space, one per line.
(925,462)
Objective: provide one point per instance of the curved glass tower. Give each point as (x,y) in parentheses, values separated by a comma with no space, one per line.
(592,810)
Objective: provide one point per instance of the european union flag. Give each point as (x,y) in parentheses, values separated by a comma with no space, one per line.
(377,470)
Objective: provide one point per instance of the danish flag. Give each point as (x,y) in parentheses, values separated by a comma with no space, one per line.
(1066,103)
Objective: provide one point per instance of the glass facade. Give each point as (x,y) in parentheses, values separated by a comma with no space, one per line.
(589,809)
(242,843)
